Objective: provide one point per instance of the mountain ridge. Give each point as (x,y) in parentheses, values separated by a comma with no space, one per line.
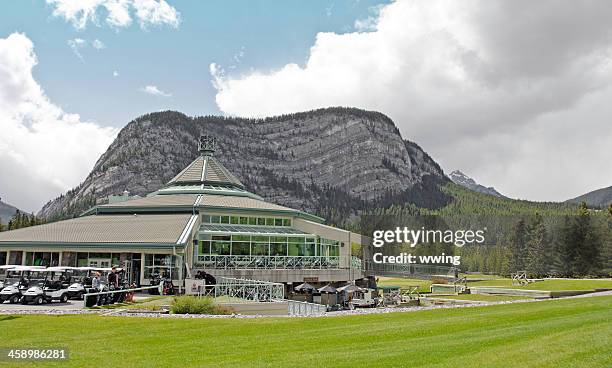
(464,180)
(597,198)
(331,162)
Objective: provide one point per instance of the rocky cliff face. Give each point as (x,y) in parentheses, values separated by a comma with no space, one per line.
(6,212)
(465,181)
(324,161)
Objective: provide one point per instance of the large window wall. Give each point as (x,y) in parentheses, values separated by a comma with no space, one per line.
(165,265)
(246,220)
(42,259)
(267,245)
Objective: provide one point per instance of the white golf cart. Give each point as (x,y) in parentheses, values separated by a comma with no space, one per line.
(54,286)
(17,281)
(82,279)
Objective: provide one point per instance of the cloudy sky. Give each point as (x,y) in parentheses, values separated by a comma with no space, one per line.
(514,93)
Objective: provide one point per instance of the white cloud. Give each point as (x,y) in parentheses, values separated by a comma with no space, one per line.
(153,90)
(44,150)
(514,95)
(116,13)
(115,73)
(76,44)
(152,12)
(98,45)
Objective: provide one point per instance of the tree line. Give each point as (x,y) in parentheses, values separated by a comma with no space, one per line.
(21,220)
(576,245)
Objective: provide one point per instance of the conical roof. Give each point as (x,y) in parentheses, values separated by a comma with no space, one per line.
(206,169)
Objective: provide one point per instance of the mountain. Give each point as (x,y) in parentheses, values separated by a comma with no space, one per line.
(333,162)
(465,181)
(6,212)
(597,198)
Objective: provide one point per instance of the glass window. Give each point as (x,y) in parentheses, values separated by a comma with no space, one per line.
(286,222)
(309,250)
(244,220)
(278,249)
(206,219)
(295,249)
(252,220)
(220,247)
(163,264)
(259,249)
(225,219)
(241,248)
(334,251)
(278,222)
(269,222)
(215,219)
(82,260)
(204,247)
(234,220)
(261,221)
(246,238)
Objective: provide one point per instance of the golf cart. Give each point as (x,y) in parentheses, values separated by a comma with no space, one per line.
(54,286)
(17,280)
(82,279)
(3,270)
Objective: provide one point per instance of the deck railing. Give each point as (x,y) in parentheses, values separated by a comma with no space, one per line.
(267,262)
(254,290)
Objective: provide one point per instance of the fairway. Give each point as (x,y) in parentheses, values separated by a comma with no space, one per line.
(555,333)
(551,284)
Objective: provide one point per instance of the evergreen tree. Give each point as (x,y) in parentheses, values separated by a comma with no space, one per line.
(538,248)
(588,243)
(517,247)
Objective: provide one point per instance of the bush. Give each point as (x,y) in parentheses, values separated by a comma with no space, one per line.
(439,280)
(194,305)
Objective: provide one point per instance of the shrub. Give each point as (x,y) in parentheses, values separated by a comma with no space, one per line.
(439,280)
(194,305)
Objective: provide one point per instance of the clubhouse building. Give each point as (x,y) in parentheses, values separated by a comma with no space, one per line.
(202,220)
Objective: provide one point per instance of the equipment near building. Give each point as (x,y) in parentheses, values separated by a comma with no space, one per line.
(54,286)
(17,281)
(391,296)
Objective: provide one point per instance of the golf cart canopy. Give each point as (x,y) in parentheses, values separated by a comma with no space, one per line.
(27,268)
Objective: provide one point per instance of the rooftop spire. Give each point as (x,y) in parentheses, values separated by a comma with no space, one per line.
(207,145)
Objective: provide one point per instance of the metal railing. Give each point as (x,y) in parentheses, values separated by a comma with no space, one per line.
(120,291)
(400,269)
(255,290)
(267,262)
(305,309)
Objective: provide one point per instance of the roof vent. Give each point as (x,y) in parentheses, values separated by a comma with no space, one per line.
(207,145)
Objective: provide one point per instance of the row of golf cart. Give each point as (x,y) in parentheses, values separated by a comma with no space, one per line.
(39,284)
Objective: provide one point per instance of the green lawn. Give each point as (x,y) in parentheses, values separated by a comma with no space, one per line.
(482,297)
(552,285)
(556,333)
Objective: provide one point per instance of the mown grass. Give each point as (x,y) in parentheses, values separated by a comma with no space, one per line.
(482,297)
(556,333)
(551,285)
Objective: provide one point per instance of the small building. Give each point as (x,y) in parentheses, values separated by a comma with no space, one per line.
(203,219)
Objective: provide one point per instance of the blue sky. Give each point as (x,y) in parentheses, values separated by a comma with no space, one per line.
(176,60)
